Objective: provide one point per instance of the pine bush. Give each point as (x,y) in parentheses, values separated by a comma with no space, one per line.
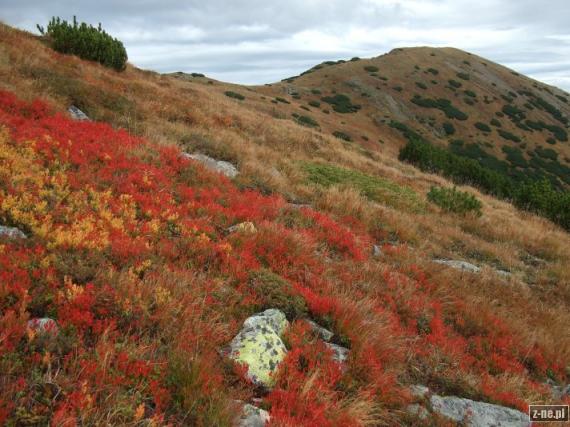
(85,41)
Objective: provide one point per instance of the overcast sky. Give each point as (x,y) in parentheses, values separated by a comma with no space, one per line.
(262,41)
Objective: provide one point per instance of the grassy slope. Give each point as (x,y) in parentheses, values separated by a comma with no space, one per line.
(403,69)
(531,308)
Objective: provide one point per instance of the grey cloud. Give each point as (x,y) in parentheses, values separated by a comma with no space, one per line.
(258,41)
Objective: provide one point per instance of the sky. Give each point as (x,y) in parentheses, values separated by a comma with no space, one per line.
(263,41)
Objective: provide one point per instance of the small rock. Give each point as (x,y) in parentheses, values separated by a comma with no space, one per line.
(321,332)
(478,414)
(340,354)
(504,273)
(459,265)
(376,251)
(419,391)
(259,346)
(558,391)
(243,227)
(299,206)
(11,233)
(252,416)
(417,410)
(77,114)
(43,325)
(220,166)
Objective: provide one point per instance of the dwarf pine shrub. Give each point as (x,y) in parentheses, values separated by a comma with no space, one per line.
(454,200)
(86,41)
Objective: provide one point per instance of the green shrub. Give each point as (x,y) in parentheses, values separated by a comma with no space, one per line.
(470,93)
(315,104)
(234,95)
(315,91)
(441,104)
(496,123)
(341,135)
(434,71)
(482,127)
(508,135)
(275,292)
(455,84)
(87,42)
(463,76)
(371,68)
(307,121)
(453,200)
(282,100)
(534,194)
(421,85)
(341,104)
(448,128)
(397,88)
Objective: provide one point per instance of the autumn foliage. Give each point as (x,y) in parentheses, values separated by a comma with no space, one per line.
(129,253)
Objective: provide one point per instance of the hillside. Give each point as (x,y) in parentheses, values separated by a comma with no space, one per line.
(477,108)
(139,266)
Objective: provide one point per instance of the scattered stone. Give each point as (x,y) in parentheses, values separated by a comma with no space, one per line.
(376,251)
(243,227)
(459,265)
(220,166)
(478,414)
(259,346)
(417,410)
(77,114)
(321,332)
(11,233)
(340,354)
(419,391)
(299,206)
(558,391)
(252,416)
(503,273)
(43,325)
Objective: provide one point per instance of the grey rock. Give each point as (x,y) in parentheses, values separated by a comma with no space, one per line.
(11,233)
(459,265)
(299,206)
(43,325)
(419,391)
(220,166)
(321,332)
(376,251)
(77,114)
(558,391)
(252,416)
(340,354)
(417,410)
(478,414)
(246,227)
(259,346)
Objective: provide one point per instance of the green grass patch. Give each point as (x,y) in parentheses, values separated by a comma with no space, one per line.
(374,188)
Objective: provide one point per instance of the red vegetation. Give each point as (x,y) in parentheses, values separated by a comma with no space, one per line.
(128,253)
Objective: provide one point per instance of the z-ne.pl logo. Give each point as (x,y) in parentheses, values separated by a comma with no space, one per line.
(548,413)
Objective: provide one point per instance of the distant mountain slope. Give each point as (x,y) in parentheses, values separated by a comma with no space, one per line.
(479,109)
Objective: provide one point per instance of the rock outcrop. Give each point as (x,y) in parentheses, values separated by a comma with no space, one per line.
(244,227)
(252,416)
(477,414)
(259,346)
(11,233)
(43,325)
(220,166)
(77,114)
